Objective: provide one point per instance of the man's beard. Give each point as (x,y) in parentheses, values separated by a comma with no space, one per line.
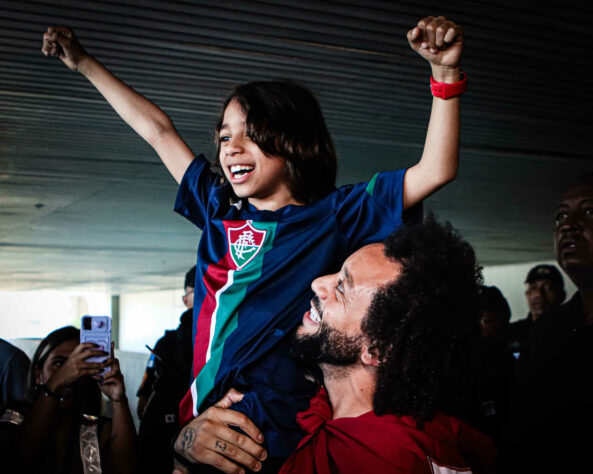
(327,346)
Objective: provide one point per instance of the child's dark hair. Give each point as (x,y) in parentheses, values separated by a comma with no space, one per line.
(284,119)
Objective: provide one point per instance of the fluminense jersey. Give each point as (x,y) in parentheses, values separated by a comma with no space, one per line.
(253,284)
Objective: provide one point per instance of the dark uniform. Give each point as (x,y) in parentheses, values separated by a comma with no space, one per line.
(553,402)
(166,381)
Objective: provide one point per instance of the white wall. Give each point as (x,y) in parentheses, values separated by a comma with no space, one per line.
(510,281)
(144,317)
(37,313)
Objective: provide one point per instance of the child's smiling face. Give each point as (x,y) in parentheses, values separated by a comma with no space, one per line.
(253,175)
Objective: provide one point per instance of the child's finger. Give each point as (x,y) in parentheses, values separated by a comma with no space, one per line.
(454,33)
(440,35)
(58,39)
(64,37)
(50,40)
(422,36)
(47,46)
(431,33)
(442,30)
(413,34)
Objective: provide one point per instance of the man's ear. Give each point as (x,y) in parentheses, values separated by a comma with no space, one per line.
(370,356)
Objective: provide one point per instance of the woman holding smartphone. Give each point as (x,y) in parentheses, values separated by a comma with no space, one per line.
(63,430)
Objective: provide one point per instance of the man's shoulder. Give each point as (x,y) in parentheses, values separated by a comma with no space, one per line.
(521,323)
(408,445)
(561,322)
(9,352)
(519,329)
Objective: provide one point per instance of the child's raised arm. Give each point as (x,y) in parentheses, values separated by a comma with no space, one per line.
(150,122)
(440,42)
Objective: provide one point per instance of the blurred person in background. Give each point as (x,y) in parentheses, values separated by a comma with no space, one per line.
(166,380)
(544,292)
(553,398)
(497,362)
(63,430)
(14,366)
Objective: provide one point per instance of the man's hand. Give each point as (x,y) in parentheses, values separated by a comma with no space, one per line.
(440,42)
(208,439)
(61,41)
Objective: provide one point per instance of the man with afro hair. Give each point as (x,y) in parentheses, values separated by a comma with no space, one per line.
(394,334)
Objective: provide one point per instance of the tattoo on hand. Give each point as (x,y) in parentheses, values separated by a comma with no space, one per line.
(220,445)
(189,435)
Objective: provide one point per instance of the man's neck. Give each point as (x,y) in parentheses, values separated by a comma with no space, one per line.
(350,390)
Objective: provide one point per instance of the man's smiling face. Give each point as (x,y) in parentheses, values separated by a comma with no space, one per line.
(342,300)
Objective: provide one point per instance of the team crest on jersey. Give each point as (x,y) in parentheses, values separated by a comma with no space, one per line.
(245,242)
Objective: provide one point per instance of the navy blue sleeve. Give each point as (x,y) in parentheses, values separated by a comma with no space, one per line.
(369,212)
(194,191)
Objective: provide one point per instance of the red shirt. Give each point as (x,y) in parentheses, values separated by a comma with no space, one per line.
(386,444)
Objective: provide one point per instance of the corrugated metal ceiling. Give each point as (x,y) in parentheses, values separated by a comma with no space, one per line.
(84,201)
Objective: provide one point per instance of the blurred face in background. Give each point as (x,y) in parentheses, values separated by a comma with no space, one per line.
(55,359)
(493,325)
(82,392)
(188,297)
(543,296)
(573,236)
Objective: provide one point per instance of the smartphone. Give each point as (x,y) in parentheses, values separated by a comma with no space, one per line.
(97,329)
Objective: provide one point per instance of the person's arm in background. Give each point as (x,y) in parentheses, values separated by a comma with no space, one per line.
(147,384)
(122,440)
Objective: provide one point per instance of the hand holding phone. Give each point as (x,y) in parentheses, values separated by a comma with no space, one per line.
(97,330)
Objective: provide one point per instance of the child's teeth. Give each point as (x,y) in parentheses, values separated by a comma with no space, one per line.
(240,169)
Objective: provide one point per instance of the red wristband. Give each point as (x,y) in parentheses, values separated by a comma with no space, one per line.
(444,90)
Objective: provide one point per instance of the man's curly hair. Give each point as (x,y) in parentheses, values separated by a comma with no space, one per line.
(424,326)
